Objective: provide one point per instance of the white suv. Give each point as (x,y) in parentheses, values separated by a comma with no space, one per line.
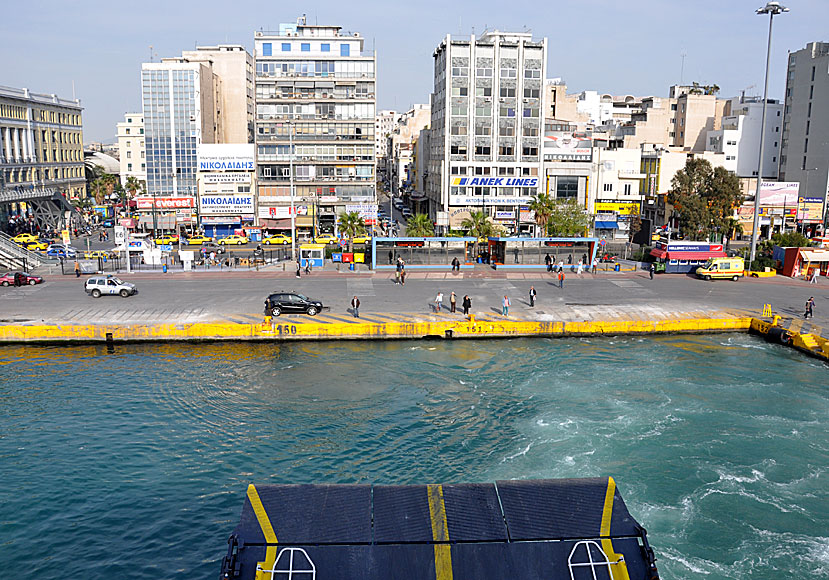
(97,286)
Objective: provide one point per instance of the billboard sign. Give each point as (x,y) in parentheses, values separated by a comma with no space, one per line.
(810,209)
(779,193)
(164,202)
(482,200)
(229,177)
(484,181)
(367,211)
(618,206)
(564,146)
(226,156)
(226,204)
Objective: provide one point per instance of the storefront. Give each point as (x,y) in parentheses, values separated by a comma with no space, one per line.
(795,262)
(685,257)
(166,214)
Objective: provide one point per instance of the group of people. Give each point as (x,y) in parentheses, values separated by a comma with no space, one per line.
(580,266)
(466,304)
(400,272)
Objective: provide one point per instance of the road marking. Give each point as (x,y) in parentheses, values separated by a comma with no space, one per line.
(361,287)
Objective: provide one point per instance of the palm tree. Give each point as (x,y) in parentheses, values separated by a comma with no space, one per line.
(351,225)
(420,226)
(478,225)
(542,205)
(133,186)
(98,189)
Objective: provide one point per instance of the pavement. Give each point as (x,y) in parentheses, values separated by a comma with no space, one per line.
(238,296)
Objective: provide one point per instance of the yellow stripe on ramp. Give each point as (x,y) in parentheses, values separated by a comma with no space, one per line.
(267,530)
(440,532)
(618,571)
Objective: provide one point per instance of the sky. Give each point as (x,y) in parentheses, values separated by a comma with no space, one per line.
(95,49)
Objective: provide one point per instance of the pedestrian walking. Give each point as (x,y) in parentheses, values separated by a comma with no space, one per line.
(438,301)
(810,305)
(813,279)
(595,265)
(298,268)
(397,276)
(561,278)
(456,265)
(561,265)
(77,269)
(391,257)
(403,275)
(578,270)
(452,302)
(549,261)
(505,306)
(651,270)
(467,304)
(355,307)
(308,266)
(532,296)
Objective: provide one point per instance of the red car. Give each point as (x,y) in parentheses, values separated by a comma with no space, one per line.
(7,279)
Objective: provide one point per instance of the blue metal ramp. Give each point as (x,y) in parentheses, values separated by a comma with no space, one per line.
(570,529)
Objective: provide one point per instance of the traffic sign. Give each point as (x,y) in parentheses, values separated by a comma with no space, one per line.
(602,243)
(166,247)
(342,243)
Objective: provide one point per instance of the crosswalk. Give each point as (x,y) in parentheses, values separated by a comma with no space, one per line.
(139,315)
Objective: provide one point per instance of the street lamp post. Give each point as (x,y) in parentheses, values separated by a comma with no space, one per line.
(802,196)
(291,177)
(771,8)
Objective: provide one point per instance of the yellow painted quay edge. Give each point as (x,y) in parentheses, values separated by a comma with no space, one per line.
(279,331)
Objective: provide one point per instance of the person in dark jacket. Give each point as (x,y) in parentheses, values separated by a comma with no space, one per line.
(467,304)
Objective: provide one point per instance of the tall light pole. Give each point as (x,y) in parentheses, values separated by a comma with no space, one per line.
(291,177)
(771,8)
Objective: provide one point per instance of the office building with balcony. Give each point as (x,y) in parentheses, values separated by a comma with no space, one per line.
(131,152)
(41,155)
(487,126)
(315,116)
(805,130)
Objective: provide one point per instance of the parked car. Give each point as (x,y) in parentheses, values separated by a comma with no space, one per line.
(280,302)
(361,240)
(98,286)
(61,251)
(278,239)
(325,239)
(95,254)
(212,247)
(7,279)
(234,239)
(36,246)
(168,240)
(198,240)
(24,238)
(108,223)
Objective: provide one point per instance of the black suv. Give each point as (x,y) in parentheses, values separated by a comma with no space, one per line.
(280,302)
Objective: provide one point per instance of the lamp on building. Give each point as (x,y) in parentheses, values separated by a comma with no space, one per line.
(772,9)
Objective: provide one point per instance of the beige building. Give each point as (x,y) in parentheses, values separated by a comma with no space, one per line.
(233,65)
(401,146)
(41,143)
(696,115)
(131,152)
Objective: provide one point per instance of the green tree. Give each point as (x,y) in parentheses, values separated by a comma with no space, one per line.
(351,226)
(567,218)
(791,240)
(98,189)
(704,198)
(542,206)
(420,226)
(478,225)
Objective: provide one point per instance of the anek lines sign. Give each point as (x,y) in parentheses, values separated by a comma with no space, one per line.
(226,157)
(226,204)
(495,181)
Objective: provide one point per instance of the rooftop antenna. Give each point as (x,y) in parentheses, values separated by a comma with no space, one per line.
(682,54)
(73,90)
(151,53)
(460,25)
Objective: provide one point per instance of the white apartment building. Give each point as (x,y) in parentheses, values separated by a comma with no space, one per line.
(384,124)
(486,128)
(315,115)
(401,145)
(805,130)
(739,138)
(131,150)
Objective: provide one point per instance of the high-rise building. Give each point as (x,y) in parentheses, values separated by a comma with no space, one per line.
(805,132)
(384,124)
(315,115)
(131,150)
(487,126)
(739,137)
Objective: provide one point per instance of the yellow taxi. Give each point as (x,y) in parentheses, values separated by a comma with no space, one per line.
(234,239)
(97,254)
(277,240)
(361,240)
(24,238)
(36,246)
(325,239)
(198,240)
(166,240)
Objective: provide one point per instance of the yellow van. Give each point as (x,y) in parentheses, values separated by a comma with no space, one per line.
(732,268)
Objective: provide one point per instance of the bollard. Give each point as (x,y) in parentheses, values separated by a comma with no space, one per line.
(776,320)
(164,268)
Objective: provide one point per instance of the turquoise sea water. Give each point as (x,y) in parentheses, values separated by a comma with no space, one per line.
(134,463)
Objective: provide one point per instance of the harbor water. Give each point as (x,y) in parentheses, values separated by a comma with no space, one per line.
(133,462)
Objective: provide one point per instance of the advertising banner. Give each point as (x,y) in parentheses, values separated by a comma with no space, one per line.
(226,204)
(226,157)
(485,181)
(229,177)
(165,202)
(810,209)
(367,211)
(618,206)
(779,193)
(282,211)
(221,220)
(483,200)
(504,215)
(564,146)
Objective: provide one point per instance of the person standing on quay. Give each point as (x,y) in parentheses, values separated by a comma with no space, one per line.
(402,273)
(505,307)
(438,301)
(561,278)
(355,305)
(452,301)
(467,304)
(77,269)
(651,270)
(298,268)
(532,296)
(810,304)
(549,261)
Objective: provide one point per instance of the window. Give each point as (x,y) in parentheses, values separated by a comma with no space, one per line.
(483,91)
(529,151)
(531,93)
(345,50)
(267,49)
(459,110)
(483,72)
(460,71)
(812,92)
(483,130)
(532,73)
(457,150)
(813,74)
(458,130)
(483,150)
(506,150)
(508,73)
(286,47)
(129,166)
(607,187)
(483,111)
(531,112)
(460,92)
(325,47)
(128,131)
(129,154)
(627,189)
(507,111)
(567,187)
(506,131)
(673,107)
(507,92)
(530,131)
(305,47)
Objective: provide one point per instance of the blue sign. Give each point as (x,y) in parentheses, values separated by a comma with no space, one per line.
(166,247)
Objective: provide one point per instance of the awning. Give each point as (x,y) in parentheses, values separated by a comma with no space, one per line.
(164,222)
(814,255)
(279,224)
(607,226)
(659,253)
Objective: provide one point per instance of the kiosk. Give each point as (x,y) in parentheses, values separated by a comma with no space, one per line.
(315,253)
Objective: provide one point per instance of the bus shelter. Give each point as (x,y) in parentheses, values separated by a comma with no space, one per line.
(421,253)
(533,252)
(314,253)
